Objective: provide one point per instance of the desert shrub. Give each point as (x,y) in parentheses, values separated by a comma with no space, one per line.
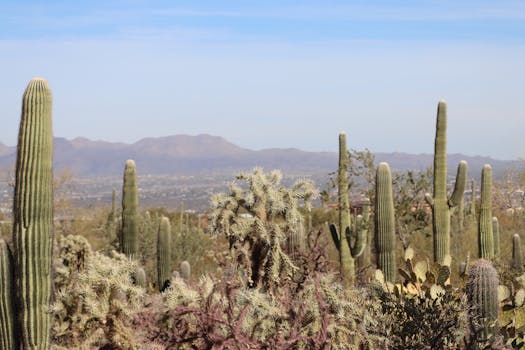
(94,297)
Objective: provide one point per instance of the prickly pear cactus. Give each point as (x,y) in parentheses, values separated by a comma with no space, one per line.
(33,216)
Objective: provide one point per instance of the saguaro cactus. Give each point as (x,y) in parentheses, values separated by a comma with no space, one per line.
(347,252)
(33,216)
(164,253)
(517,261)
(185,270)
(385,223)
(364,260)
(440,203)
(140,277)
(495,231)
(130,201)
(482,294)
(485,234)
(7,310)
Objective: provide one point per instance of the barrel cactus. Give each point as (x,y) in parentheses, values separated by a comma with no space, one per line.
(164,253)
(129,234)
(482,295)
(33,216)
(485,234)
(341,237)
(440,204)
(385,223)
(7,310)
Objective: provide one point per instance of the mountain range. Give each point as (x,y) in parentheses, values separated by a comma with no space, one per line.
(193,155)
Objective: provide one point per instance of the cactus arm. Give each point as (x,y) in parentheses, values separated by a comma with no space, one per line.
(335,236)
(459,185)
(429,199)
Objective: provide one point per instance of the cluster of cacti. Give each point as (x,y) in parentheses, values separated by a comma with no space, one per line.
(385,223)
(482,295)
(485,233)
(164,254)
(129,243)
(342,237)
(440,203)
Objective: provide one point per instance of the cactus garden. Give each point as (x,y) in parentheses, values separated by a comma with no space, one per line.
(418,261)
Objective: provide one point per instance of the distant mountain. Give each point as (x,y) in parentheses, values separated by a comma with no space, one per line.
(193,155)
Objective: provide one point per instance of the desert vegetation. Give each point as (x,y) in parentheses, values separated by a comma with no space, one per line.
(412,264)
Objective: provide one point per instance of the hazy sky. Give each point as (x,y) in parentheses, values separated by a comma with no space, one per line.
(273,73)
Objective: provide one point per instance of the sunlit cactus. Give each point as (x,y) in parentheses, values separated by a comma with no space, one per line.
(385,223)
(7,308)
(485,233)
(440,203)
(164,253)
(33,217)
(482,295)
(130,201)
(341,236)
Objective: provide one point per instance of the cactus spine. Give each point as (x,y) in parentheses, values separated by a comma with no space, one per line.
(440,204)
(185,270)
(347,252)
(385,223)
(485,234)
(482,294)
(164,253)
(130,201)
(517,261)
(7,311)
(495,231)
(33,216)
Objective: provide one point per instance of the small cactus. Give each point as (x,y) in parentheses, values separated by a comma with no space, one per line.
(482,295)
(485,234)
(163,253)
(385,223)
(185,270)
(517,261)
(7,310)
(130,201)
(140,277)
(495,231)
(33,217)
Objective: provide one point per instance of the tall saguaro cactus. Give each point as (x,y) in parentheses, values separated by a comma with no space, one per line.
(482,294)
(440,203)
(485,233)
(385,223)
(7,310)
(495,231)
(164,253)
(347,251)
(130,201)
(33,216)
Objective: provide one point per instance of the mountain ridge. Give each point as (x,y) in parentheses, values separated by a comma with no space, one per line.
(191,155)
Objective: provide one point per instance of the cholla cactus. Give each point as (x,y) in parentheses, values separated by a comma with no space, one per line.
(95,296)
(257,219)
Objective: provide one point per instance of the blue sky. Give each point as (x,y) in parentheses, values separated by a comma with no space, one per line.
(273,73)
